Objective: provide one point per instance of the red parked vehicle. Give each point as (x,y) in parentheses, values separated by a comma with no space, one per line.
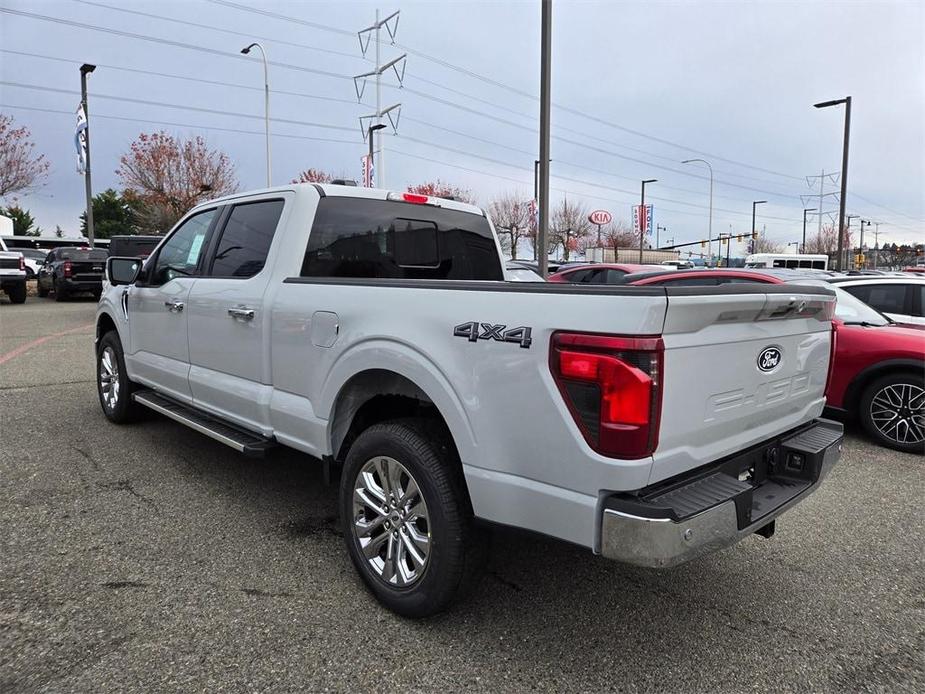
(878,372)
(599,273)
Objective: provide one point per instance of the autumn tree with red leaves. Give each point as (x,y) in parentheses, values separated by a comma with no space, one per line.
(167,175)
(20,169)
(439,189)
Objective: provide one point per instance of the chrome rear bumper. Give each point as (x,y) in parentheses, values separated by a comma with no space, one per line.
(685,519)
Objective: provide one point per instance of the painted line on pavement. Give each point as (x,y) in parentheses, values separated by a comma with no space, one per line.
(35,343)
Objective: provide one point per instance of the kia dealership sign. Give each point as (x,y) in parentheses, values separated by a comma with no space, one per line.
(600,217)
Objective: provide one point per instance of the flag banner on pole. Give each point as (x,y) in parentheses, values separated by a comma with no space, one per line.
(643,222)
(80,139)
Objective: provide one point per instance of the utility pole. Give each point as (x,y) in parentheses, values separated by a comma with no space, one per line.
(753,230)
(846,264)
(545,98)
(808,209)
(365,36)
(843,198)
(861,243)
(85,70)
(876,243)
(643,217)
(658,228)
(710,226)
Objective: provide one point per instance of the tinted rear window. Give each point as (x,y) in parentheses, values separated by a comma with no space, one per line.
(81,254)
(245,243)
(355,237)
(132,247)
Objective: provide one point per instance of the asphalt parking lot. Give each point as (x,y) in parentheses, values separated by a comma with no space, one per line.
(149,557)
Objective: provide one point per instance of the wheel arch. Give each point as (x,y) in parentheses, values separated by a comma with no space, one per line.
(376,395)
(868,375)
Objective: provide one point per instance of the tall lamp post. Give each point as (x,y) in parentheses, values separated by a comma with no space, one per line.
(710,226)
(844,172)
(85,70)
(266,101)
(848,218)
(642,215)
(370,162)
(808,209)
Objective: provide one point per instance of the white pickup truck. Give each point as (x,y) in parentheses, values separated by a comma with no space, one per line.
(12,272)
(375,331)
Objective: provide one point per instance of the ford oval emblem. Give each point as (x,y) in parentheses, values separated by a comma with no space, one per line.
(769,359)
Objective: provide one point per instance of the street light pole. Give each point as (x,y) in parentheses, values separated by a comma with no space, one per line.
(848,219)
(754,205)
(844,172)
(266,102)
(545,100)
(710,227)
(642,215)
(861,243)
(658,228)
(808,209)
(370,162)
(85,70)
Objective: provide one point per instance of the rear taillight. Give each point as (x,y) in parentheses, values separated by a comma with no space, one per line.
(68,268)
(413,198)
(22,263)
(613,389)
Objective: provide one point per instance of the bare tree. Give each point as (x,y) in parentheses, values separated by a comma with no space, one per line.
(313,176)
(570,226)
(20,169)
(166,176)
(511,214)
(765,245)
(826,241)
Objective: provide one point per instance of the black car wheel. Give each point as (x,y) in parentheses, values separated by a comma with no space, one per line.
(60,291)
(40,289)
(407,519)
(17,293)
(892,410)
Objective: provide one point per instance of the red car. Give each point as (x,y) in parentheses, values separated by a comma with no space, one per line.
(878,373)
(599,273)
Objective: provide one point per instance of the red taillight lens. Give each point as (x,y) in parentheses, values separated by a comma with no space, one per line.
(414,198)
(612,386)
(22,263)
(68,268)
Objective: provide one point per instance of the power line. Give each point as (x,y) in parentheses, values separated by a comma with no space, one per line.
(181,125)
(166,42)
(183,107)
(512,89)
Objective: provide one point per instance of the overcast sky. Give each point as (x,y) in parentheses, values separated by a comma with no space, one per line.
(637,87)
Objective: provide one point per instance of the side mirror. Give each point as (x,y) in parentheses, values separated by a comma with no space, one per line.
(122,270)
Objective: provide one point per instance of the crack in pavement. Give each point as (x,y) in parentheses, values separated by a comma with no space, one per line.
(45,385)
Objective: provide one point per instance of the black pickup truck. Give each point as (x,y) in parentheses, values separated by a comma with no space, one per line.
(70,270)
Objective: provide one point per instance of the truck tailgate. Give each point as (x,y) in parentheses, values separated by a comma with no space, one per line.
(741,365)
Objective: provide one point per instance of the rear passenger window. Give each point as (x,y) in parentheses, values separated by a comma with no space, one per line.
(888,298)
(245,242)
(358,237)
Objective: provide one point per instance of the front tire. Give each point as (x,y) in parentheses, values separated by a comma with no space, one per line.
(112,383)
(892,411)
(407,519)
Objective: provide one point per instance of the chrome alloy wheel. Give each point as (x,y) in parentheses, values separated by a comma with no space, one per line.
(898,412)
(390,521)
(109,378)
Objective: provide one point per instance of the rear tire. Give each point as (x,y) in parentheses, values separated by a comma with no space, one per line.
(60,291)
(40,290)
(892,411)
(17,293)
(416,551)
(112,383)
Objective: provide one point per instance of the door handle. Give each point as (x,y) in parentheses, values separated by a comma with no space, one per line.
(174,306)
(241,313)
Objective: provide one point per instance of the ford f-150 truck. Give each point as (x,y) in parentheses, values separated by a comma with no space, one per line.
(375,331)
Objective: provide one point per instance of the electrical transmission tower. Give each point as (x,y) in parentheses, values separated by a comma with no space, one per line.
(831,178)
(371,125)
